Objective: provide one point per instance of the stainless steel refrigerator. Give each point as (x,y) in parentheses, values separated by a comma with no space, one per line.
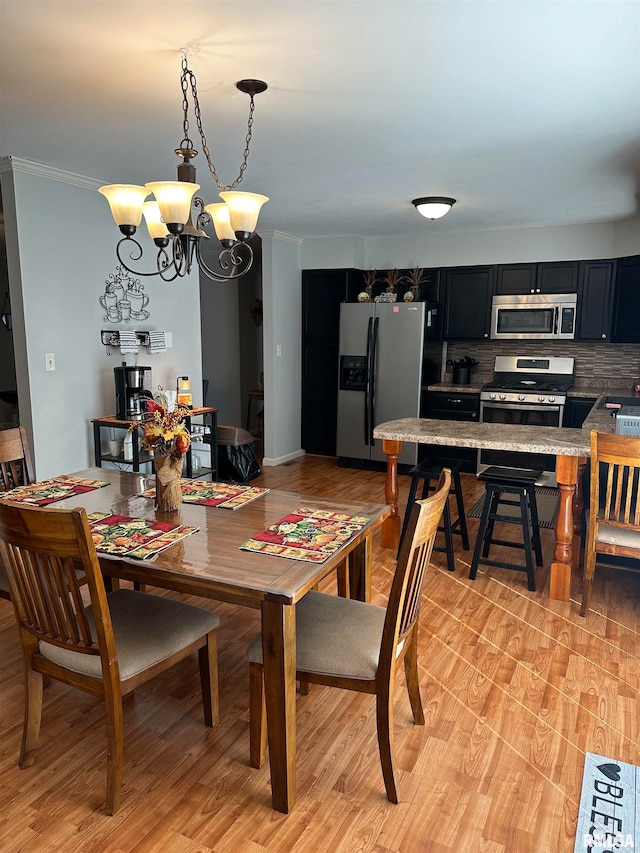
(380,375)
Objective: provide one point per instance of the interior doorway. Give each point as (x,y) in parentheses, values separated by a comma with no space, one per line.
(9,413)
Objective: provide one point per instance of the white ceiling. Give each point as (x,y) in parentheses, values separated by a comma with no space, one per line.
(528,113)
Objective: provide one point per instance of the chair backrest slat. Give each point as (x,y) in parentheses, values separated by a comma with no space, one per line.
(41,551)
(403,607)
(615,479)
(16,468)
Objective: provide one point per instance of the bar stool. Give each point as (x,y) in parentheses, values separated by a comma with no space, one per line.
(429,470)
(509,487)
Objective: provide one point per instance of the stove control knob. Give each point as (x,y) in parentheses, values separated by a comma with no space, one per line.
(520,396)
(552,399)
(503,397)
(492,396)
(541,399)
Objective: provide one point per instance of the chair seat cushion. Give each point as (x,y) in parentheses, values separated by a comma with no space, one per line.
(618,536)
(334,636)
(609,535)
(147,629)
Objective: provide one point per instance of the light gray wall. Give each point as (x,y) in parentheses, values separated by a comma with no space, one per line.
(282,294)
(60,250)
(431,248)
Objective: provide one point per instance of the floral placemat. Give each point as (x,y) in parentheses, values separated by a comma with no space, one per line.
(134,537)
(307,534)
(56,489)
(223,495)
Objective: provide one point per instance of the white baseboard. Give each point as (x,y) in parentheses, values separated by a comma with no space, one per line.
(280,460)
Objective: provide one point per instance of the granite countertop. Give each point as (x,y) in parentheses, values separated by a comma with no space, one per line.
(582,388)
(556,440)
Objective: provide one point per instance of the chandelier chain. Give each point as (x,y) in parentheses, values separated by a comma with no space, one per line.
(187,78)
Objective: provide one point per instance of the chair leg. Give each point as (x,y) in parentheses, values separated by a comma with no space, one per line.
(528,552)
(448,537)
(303,688)
(115,750)
(384,721)
(413,488)
(462,518)
(494,503)
(411,674)
(482,532)
(589,572)
(535,524)
(257,716)
(32,716)
(208,661)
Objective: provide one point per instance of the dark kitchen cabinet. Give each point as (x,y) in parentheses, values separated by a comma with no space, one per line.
(625,327)
(516,278)
(322,293)
(595,300)
(467,307)
(450,406)
(557,277)
(576,410)
(547,277)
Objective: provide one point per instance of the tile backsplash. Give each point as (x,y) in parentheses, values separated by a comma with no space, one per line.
(615,364)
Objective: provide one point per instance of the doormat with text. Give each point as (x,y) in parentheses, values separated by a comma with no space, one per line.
(546,501)
(609,816)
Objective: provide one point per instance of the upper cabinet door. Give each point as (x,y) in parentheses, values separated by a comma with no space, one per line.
(467,308)
(595,300)
(516,278)
(626,314)
(557,277)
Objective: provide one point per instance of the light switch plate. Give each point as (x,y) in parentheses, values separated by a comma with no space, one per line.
(49,361)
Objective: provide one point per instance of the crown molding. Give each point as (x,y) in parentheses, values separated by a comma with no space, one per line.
(284,237)
(41,170)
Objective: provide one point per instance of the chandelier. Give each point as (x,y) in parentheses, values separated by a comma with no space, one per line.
(169,218)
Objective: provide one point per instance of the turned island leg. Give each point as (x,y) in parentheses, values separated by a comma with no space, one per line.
(390,535)
(567,475)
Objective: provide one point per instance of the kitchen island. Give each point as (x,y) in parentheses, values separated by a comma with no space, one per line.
(570,446)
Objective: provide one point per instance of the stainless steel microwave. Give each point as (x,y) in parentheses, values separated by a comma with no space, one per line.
(534,316)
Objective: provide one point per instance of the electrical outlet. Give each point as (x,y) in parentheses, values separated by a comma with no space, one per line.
(49,361)
(278,349)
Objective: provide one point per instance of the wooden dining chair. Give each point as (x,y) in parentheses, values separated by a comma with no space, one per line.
(341,642)
(613,519)
(16,469)
(107,649)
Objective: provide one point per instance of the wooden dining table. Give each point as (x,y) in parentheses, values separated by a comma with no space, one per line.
(209,563)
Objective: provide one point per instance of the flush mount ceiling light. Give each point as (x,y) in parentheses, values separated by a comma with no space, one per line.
(433,206)
(169,217)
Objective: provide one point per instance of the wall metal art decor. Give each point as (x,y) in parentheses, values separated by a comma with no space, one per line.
(124,298)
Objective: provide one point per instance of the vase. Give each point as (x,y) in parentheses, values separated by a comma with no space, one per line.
(168,475)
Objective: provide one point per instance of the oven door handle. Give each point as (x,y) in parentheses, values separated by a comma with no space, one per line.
(523,407)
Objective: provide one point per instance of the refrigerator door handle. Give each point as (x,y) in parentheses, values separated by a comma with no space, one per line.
(367,387)
(372,379)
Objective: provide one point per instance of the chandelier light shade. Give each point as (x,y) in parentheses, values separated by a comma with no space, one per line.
(244,209)
(125,201)
(155,225)
(170,215)
(433,206)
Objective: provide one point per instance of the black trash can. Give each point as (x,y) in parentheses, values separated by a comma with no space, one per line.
(237,459)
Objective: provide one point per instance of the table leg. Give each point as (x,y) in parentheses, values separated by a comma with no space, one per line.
(390,534)
(360,570)
(279,658)
(567,475)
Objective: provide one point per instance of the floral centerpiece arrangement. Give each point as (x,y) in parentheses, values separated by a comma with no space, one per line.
(165,433)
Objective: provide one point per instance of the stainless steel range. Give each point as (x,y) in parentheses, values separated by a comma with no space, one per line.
(527,391)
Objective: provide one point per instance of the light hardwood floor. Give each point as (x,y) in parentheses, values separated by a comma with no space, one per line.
(516,688)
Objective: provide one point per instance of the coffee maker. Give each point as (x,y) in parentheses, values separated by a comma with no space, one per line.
(132,392)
